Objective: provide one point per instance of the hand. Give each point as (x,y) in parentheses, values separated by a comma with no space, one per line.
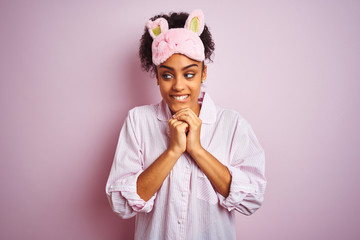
(178,131)
(194,122)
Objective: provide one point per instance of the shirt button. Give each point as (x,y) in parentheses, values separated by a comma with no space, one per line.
(179,221)
(183,194)
(187,166)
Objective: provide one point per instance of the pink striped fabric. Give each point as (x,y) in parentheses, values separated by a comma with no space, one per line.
(186,205)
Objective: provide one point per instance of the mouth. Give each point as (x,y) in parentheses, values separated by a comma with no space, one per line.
(180,98)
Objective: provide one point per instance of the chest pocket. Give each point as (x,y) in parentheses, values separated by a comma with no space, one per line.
(205,190)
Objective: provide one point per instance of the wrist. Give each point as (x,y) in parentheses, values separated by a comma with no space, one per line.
(195,151)
(173,153)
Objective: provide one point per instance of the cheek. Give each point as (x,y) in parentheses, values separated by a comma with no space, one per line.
(196,85)
(164,91)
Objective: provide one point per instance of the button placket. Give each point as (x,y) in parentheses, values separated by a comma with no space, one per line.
(185,187)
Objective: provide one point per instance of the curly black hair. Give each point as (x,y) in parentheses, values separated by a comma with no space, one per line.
(175,20)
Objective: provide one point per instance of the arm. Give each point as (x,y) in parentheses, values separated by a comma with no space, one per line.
(149,181)
(128,182)
(152,178)
(216,172)
(247,168)
(126,167)
(241,183)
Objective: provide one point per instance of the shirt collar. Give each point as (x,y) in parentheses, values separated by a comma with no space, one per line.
(207,111)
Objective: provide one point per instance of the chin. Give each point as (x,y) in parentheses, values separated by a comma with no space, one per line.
(177,108)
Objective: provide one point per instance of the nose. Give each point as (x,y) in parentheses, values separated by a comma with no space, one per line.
(178,84)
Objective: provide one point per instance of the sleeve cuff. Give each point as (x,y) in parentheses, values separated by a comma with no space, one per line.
(126,187)
(240,187)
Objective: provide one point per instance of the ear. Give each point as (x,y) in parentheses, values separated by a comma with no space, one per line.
(195,22)
(204,74)
(157,79)
(157,27)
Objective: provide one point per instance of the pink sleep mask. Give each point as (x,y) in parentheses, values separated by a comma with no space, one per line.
(177,40)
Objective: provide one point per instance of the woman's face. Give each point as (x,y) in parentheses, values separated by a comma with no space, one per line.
(179,79)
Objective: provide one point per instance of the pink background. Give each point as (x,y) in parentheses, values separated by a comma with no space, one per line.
(70,72)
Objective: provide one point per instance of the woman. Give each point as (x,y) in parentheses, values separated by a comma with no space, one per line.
(184,165)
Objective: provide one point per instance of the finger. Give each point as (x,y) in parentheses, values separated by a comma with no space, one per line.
(186,118)
(187,111)
(174,123)
(184,127)
(190,117)
(177,123)
(181,111)
(171,120)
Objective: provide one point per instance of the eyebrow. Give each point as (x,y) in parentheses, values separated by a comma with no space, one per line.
(170,68)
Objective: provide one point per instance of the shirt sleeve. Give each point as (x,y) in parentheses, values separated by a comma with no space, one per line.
(128,164)
(247,169)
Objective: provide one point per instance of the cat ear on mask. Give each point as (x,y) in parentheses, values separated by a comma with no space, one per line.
(157,27)
(195,22)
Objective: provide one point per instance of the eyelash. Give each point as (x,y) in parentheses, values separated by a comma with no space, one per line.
(167,76)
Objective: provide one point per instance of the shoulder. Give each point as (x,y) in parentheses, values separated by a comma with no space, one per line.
(143,111)
(225,117)
(141,115)
(231,116)
(239,128)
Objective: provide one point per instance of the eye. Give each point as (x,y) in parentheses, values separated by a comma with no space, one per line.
(189,75)
(166,76)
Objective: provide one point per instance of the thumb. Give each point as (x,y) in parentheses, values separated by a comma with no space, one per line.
(185,127)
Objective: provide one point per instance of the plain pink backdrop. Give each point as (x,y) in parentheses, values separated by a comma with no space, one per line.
(70,72)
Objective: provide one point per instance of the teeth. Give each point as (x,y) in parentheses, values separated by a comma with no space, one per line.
(180,97)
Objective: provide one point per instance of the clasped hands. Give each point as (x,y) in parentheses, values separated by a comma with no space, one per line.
(185,127)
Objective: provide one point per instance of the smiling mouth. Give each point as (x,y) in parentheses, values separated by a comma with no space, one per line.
(180,98)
